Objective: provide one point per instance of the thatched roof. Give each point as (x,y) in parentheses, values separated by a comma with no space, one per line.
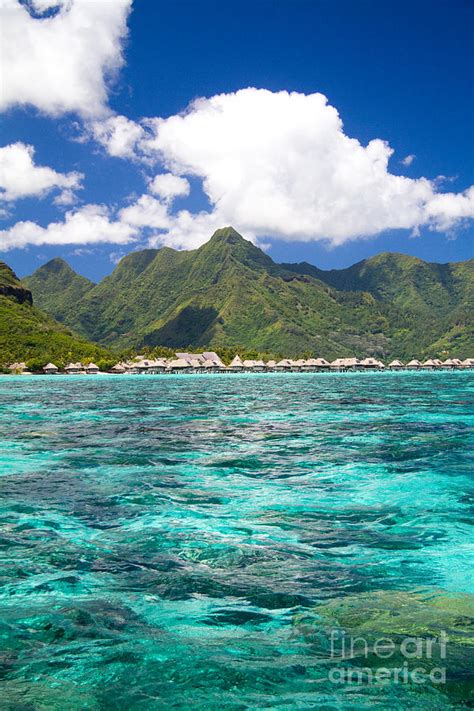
(372,362)
(468,363)
(74,366)
(345,362)
(395,364)
(118,368)
(50,366)
(284,363)
(317,362)
(17,366)
(414,362)
(178,363)
(236,362)
(211,355)
(92,366)
(271,363)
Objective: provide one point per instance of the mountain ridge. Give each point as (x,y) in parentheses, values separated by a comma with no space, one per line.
(229,293)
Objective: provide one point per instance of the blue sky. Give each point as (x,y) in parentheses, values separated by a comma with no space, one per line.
(399,72)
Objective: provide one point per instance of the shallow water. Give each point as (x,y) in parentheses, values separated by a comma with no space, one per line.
(165,539)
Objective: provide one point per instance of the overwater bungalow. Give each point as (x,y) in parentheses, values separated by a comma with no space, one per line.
(468,363)
(92,369)
(414,364)
(283,365)
(211,366)
(118,368)
(345,363)
(270,365)
(396,365)
(236,363)
(315,364)
(179,365)
(50,369)
(143,365)
(371,363)
(74,368)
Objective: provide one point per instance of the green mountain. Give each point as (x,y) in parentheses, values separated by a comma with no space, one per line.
(229,294)
(425,303)
(28,334)
(57,288)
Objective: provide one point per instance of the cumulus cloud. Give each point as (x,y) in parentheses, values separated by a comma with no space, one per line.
(118,135)
(61,62)
(88,225)
(169,186)
(408,160)
(146,212)
(20,177)
(279,164)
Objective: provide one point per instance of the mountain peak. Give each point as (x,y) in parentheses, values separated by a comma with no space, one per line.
(58,264)
(227,235)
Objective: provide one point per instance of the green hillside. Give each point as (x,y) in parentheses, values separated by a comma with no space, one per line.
(30,335)
(230,294)
(426,305)
(57,288)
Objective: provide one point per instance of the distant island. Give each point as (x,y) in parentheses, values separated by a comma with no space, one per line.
(229,296)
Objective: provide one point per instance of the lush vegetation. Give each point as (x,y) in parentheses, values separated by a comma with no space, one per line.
(28,334)
(228,295)
(57,288)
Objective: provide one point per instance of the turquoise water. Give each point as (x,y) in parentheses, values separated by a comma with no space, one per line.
(189,542)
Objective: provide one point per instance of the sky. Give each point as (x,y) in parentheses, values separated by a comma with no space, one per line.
(325,131)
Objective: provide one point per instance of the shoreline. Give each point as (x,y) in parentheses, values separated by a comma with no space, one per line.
(354,371)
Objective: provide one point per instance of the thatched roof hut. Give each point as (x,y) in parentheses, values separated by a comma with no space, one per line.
(414,364)
(118,368)
(236,363)
(17,367)
(50,368)
(178,364)
(92,369)
(72,368)
(371,363)
(395,364)
(468,363)
(248,363)
(317,363)
(284,364)
(345,363)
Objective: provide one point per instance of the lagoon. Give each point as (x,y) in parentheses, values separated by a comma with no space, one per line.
(191,542)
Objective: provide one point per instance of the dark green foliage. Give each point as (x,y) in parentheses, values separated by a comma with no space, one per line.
(28,334)
(228,294)
(57,288)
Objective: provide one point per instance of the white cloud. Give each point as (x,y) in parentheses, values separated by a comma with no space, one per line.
(119,135)
(20,177)
(169,186)
(280,164)
(408,160)
(447,209)
(61,63)
(89,225)
(65,199)
(146,212)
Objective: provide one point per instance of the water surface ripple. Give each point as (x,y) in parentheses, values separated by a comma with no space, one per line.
(161,536)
